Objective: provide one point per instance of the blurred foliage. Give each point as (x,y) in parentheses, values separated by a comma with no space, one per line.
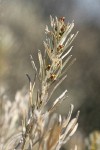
(93,141)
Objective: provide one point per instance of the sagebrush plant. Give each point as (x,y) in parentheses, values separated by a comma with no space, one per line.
(42,128)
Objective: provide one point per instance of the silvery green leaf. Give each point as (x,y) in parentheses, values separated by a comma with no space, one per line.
(74,130)
(33,64)
(69,65)
(70,127)
(55,87)
(59,99)
(66,61)
(52,21)
(47,50)
(59,74)
(66,33)
(63,56)
(66,121)
(70,40)
(41,70)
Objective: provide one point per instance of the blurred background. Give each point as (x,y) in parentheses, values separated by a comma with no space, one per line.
(22,25)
